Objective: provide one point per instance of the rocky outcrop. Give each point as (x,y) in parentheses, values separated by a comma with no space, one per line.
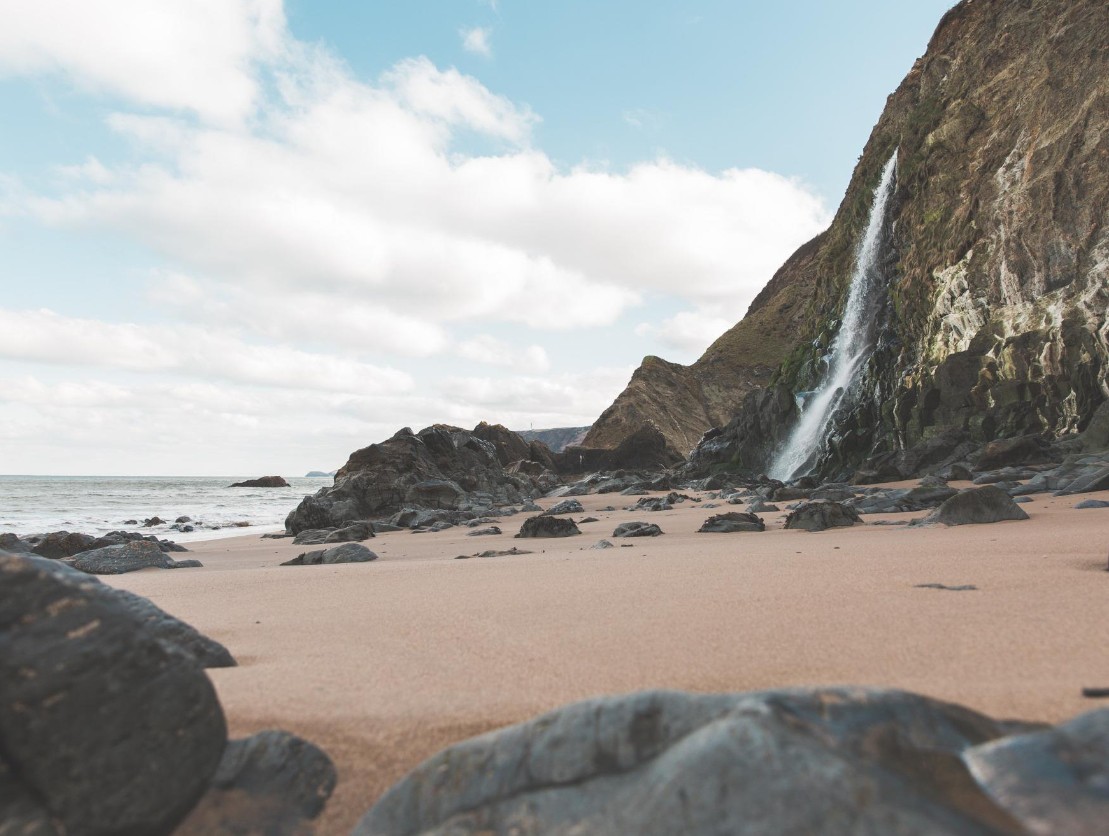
(546,526)
(440,467)
(821,514)
(127,557)
(994,324)
(263,482)
(836,761)
(556,440)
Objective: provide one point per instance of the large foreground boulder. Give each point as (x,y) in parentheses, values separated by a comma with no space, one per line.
(982,505)
(835,761)
(440,467)
(105,728)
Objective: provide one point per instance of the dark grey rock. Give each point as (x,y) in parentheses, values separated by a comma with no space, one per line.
(110,729)
(59,544)
(833,761)
(567,506)
(1097,480)
(731,522)
(312,536)
(10,542)
(546,526)
(354,532)
(530,507)
(602,544)
(1051,781)
(346,553)
(484,532)
(902,500)
(988,504)
(127,557)
(821,514)
(1090,503)
(271,783)
(153,521)
(637,529)
(760,506)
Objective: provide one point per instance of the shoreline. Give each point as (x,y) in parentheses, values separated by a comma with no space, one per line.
(383,664)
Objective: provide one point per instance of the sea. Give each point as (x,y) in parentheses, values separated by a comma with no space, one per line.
(99,504)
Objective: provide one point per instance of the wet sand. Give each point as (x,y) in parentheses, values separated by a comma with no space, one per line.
(384,663)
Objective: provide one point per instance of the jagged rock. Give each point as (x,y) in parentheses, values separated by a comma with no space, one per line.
(834,761)
(546,526)
(508,446)
(127,557)
(652,503)
(759,507)
(567,506)
(1050,781)
(59,544)
(263,482)
(1019,451)
(346,553)
(11,543)
(731,522)
(272,782)
(107,727)
(1098,480)
(637,529)
(530,507)
(980,505)
(440,467)
(901,500)
(821,514)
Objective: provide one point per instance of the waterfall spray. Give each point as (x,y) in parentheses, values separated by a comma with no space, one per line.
(851,347)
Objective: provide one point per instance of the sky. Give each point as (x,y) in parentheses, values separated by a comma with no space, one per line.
(252,236)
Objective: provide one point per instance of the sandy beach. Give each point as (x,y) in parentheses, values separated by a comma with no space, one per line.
(384,663)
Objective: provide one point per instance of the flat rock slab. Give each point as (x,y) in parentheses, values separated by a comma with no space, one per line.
(110,729)
(127,557)
(547,526)
(346,553)
(731,522)
(981,505)
(637,529)
(838,761)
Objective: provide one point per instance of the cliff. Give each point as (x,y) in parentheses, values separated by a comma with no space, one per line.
(995,318)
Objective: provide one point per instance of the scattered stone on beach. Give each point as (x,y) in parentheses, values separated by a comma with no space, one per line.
(352,533)
(588,520)
(59,544)
(262,482)
(602,544)
(494,553)
(759,506)
(730,522)
(637,529)
(346,553)
(312,536)
(10,542)
(127,557)
(153,521)
(566,506)
(988,504)
(484,532)
(1086,504)
(651,503)
(183,519)
(874,761)
(546,526)
(108,728)
(962,588)
(272,782)
(821,514)
(531,507)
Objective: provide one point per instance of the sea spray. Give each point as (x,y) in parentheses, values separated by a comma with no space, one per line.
(852,345)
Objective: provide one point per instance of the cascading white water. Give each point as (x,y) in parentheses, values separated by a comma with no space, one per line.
(851,347)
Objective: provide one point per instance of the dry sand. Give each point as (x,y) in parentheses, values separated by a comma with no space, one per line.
(384,663)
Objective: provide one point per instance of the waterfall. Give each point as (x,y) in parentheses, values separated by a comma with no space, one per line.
(851,347)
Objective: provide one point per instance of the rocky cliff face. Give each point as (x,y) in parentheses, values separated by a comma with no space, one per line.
(995,319)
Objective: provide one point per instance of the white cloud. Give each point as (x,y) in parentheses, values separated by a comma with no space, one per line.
(193,55)
(688,331)
(45,337)
(491,351)
(475,39)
